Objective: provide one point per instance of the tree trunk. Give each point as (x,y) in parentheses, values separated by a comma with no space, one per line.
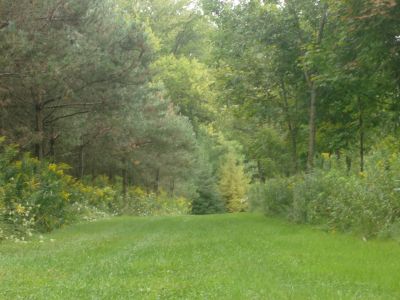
(2,118)
(362,135)
(172,187)
(293,136)
(261,173)
(124,178)
(291,127)
(157,182)
(52,142)
(81,161)
(312,127)
(348,164)
(313,94)
(131,178)
(39,130)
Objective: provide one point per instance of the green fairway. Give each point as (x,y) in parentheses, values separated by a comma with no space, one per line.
(198,257)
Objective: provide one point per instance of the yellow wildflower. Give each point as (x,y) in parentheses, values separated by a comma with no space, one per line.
(52,167)
(33,184)
(139,192)
(325,156)
(99,193)
(34,160)
(69,179)
(20,209)
(65,195)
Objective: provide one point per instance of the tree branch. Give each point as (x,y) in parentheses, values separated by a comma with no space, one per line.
(9,75)
(67,116)
(4,24)
(71,105)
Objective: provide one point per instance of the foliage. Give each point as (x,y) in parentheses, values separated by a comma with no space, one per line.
(39,196)
(367,203)
(280,61)
(273,197)
(192,99)
(34,195)
(188,82)
(140,203)
(76,86)
(208,199)
(233,184)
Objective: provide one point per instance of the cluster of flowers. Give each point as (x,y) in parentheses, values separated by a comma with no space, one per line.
(38,196)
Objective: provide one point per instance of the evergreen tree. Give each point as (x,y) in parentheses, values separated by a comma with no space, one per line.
(208,200)
(233,184)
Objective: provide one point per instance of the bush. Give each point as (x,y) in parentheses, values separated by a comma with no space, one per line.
(33,194)
(273,198)
(207,202)
(207,199)
(367,203)
(38,196)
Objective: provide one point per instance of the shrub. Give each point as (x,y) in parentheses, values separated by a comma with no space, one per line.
(273,197)
(207,199)
(367,203)
(207,202)
(33,194)
(38,196)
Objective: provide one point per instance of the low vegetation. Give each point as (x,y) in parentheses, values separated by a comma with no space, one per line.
(37,196)
(366,203)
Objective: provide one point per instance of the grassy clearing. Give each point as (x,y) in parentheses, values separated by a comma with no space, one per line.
(199,257)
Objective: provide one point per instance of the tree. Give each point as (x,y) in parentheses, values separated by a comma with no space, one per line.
(67,61)
(77,88)
(233,184)
(208,200)
(188,84)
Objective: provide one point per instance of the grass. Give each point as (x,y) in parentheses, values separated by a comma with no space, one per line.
(199,257)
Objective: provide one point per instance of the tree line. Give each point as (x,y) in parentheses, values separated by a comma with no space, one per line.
(309,77)
(116,88)
(189,96)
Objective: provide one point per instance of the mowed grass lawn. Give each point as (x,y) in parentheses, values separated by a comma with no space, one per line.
(240,256)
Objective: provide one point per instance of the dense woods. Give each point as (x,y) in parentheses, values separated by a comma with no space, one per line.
(207,106)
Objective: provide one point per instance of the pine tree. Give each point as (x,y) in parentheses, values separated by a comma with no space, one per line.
(208,200)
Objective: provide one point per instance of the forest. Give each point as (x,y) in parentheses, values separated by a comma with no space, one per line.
(200,149)
(155,107)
